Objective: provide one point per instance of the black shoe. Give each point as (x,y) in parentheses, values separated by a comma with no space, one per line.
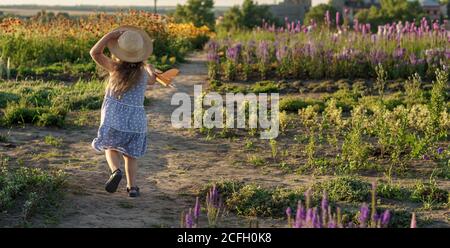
(113,182)
(133,191)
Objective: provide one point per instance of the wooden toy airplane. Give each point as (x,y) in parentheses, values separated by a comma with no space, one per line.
(165,78)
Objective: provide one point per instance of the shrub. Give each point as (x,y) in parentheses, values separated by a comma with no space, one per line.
(293,104)
(265,87)
(427,192)
(348,188)
(6,97)
(252,200)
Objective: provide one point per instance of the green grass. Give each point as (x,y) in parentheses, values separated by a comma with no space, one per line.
(30,190)
(3,137)
(53,141)
(47,103)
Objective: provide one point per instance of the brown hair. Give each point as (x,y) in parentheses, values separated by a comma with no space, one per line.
(125,76)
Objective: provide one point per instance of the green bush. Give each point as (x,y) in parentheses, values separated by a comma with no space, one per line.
(6,97)
(427,192)
(252,200)
(348,188)
(53,118)
(264,87)
(394,192)
(19,113)
(293,104)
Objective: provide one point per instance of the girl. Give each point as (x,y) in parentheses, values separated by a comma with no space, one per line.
(123,127)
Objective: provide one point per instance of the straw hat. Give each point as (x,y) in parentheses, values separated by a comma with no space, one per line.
(133,46)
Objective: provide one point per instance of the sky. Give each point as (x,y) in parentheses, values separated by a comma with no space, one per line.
(121,2)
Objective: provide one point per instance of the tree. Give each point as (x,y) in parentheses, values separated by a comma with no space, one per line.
(391,10)
(249,15)
(62,15)
(446,3)
(199,12)
(317,13)
(232,19)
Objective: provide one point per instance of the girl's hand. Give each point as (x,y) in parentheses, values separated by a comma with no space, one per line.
(152,74)
(115,34)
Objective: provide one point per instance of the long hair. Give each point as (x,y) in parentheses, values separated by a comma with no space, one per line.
(125,76)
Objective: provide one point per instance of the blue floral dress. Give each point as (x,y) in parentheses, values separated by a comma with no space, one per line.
(123,125)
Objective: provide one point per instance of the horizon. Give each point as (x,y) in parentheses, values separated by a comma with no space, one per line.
(118,3)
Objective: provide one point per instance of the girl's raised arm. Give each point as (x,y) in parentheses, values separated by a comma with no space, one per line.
(97,51)
(152,73)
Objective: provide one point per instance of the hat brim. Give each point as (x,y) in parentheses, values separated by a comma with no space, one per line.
(134,57)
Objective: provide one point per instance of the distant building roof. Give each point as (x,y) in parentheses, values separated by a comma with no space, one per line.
(429,3)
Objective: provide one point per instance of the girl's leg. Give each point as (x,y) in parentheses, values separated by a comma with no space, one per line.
(113,158)
(130,169)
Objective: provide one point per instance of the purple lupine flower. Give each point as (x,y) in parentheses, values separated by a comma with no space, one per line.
(425,157)
(436,26)
(331,223)
(232,53)
(282,53)
(385,218)
(288,212)
(327,18)
(248,52)
(373,38)
(309,216)
(377,56)
(364,214)
(189,221)
(356,25)
(213,197)
(413,221)
(197,208)
(447,53)
(263,51)
(368,27)
(440,150)
(316,219)
(337,19)
(399,53)
(299,215)
(375,218)
(212,55)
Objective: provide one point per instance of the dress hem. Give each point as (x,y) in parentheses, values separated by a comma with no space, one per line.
(104,148)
